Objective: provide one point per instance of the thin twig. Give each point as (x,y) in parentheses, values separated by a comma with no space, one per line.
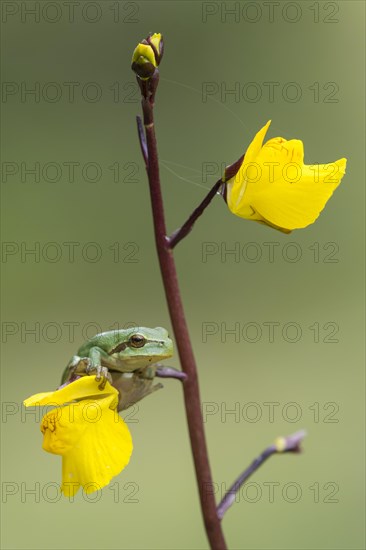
(183,231)
(290,444)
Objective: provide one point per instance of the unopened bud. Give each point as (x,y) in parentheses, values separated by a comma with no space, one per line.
(147,56)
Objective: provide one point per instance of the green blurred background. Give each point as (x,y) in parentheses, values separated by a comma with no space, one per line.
(76,57)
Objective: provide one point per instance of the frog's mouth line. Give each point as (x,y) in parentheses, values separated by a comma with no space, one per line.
(123,345)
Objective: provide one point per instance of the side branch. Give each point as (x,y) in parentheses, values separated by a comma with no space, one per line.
(290,444)
(170,372)
(183,231)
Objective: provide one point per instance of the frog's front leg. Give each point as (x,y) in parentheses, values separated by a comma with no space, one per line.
(75,367)
(81,366)
(97,356)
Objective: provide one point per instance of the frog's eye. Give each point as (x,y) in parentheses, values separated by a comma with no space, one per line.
(137,341)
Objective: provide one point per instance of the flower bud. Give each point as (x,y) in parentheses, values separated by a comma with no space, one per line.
(143,61)
(147,56)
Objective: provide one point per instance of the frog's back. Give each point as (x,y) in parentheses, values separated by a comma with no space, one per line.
(103,340)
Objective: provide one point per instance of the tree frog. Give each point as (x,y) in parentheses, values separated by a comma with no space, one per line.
(126,358)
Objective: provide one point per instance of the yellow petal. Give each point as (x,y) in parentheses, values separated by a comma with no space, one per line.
(298,204)
(63,426)
(93,440)
(103,450)
(236,186)
(155,39)
(84,387)
(283,151)
(144,52)
(37,399)
(256,145)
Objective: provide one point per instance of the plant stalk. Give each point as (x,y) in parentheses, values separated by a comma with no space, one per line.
(190,385)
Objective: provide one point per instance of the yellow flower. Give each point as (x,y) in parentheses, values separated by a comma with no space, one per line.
(273,185)
(93,440)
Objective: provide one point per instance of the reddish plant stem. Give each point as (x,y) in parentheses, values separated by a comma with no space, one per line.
(187,227)
(190,385)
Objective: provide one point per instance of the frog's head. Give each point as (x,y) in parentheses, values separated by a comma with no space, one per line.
(139,347)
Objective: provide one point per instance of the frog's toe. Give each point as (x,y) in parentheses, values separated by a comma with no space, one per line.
(98,371)
(90,368)
(104,377)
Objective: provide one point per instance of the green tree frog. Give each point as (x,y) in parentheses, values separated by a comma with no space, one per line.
(127,358)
